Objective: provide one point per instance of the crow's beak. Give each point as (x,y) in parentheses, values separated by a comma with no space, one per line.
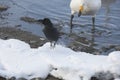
(40,20)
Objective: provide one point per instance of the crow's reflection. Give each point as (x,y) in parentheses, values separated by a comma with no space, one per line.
(50,31)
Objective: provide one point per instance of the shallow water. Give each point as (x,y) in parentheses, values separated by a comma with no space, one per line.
(107,28)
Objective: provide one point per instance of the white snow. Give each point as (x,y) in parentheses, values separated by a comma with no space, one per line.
(19,60)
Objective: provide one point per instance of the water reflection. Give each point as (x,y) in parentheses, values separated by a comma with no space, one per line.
(84,42)
(92,36)
(92,46)
(106,4)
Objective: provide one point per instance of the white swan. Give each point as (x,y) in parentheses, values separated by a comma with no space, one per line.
(84,7)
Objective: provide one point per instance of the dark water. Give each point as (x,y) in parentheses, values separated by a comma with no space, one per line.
(105,35)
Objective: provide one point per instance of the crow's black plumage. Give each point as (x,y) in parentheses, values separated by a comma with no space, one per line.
(50,31)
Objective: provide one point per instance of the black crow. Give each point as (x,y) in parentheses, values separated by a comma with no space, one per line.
(50,31)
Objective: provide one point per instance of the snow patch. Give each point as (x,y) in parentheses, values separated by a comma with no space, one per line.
(19,60)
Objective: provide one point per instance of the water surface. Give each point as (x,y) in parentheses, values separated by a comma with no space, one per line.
(105,35)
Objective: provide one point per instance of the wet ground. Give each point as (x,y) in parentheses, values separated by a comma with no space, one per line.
(18,20)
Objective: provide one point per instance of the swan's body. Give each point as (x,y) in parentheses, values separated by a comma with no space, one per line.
(84,7)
